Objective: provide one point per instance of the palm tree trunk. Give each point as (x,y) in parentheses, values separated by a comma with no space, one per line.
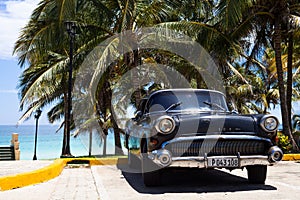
(118,145)
(289,90)
(104,144)
(90,141)
(135,77)
(289,84)
(282,91)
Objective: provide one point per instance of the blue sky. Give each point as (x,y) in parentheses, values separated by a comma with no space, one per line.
(13,16)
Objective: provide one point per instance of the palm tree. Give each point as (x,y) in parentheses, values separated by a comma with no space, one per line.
(43,45)
(249,90)
(128,15)
(253,25)
(268,24)
(290,68)
(273,25)
(41,37)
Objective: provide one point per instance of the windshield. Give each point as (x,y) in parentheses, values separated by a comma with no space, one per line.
(187,100)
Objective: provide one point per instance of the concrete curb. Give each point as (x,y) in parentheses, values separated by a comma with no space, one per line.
(33,177)
(47,173)
(55,169)
(291,157)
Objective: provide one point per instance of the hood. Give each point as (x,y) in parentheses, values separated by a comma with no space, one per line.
(215,123)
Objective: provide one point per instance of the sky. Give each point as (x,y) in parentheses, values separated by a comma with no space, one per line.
(14,15)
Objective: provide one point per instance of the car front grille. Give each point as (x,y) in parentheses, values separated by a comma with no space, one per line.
(217,148)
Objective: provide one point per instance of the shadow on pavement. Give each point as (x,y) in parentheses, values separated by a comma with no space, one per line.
(191,180)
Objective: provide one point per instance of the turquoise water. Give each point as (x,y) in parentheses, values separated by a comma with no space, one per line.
(49,143)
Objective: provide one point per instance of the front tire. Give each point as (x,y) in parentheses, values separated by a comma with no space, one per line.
(257,174)
(151,172)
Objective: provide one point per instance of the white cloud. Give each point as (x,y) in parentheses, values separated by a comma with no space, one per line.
(8,91)
(14,14)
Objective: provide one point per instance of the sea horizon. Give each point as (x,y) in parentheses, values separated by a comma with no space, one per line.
(49,142)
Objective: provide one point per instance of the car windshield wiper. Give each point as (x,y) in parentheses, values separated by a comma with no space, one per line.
(214,105)
(174,105)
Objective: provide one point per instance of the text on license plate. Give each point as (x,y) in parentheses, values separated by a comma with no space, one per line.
(223,162)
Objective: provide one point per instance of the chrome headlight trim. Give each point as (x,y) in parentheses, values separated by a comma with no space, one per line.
(269,123)
(165,124)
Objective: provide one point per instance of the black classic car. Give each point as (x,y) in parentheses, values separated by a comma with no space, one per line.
(194,128)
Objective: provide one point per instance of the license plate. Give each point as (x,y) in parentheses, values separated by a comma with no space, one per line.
(222,162)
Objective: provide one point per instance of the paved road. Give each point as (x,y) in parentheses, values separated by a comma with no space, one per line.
(283,182)
(112,182)
(72,184)
(20,166)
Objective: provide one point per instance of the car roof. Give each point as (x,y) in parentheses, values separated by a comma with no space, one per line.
(184,90)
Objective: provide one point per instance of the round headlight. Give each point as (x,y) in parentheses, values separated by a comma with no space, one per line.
(165,125)
(269,123)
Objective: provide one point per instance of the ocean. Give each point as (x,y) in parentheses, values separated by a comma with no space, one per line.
(49,142)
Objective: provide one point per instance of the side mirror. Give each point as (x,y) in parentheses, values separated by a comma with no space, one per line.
(232,107)
(235,112)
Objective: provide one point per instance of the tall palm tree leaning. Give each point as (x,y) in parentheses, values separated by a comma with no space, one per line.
(43,45)
(278,15)
(239,23)
(130,16)
(268,23)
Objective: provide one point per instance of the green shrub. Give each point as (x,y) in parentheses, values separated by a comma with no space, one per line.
(283,142)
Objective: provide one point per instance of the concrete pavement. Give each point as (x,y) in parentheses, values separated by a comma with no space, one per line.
(14,177)
(110,182)
(72,184)
(34,179)
(283,183)
(21,166)
(113,183)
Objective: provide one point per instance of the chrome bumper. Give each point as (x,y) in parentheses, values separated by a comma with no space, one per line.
(202,162)
(164,158)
